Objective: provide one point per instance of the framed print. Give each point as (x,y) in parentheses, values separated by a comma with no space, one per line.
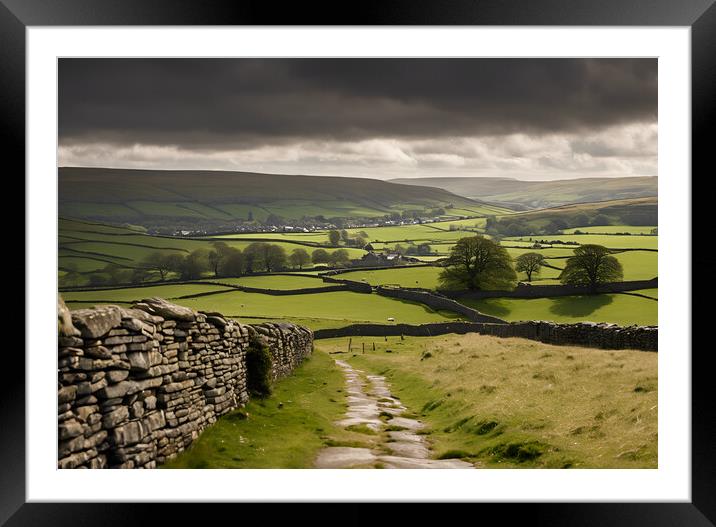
(427,241)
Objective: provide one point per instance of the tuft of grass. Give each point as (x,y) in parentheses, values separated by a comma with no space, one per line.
(346,443)
(394,428)
(454,454)
(362,429)
(431,405)
(519,452)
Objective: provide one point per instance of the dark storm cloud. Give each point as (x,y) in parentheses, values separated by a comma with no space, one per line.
(233,104)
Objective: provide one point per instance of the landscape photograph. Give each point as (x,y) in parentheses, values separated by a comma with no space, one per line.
(357,263)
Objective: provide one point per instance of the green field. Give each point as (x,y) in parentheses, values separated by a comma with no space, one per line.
(639,265)
(615,308)
(423,277)
(337,307)
(131,294)
(282,282)
(611,241)
(613,229)
(87,247)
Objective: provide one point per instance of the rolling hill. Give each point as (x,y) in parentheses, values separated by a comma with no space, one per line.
(134,196)
(525,195)
(636,211)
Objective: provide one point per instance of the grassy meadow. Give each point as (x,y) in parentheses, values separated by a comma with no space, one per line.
(330,309)
(518,403)
(618,308)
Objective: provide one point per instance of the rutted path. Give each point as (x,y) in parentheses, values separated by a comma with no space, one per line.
(404,448)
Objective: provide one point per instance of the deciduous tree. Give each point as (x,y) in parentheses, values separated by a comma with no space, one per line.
(529,263)
(590,266)
(299,258)
(320,256)
(334,237)
(478,263)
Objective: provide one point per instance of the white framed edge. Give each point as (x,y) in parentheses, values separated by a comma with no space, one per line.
(670,482)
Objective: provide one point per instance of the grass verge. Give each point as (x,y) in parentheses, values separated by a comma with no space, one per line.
(285,430)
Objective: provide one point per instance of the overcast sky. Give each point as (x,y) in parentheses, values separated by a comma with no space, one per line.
(380,118)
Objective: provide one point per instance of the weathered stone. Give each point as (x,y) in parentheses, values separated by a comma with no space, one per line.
(137,409)
(66,394)
(119,339)
(115,376)
(145,384)
(73,378)
(69,429)
(95,439)
(74,460)
(150,403)
(135,324)
(65,328)
(71,352)
(83,401)
(96,322)
(159,306)
(117,390)
(87,388)
(70,342)
(127,434)
(216,320)
(143,360)
(115,417)
(141,315)
(83,412)
(140,346)
(98,352)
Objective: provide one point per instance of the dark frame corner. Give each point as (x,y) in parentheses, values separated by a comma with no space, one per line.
(700,15)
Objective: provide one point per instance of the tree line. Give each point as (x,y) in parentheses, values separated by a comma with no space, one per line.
(220,261)
(480,263)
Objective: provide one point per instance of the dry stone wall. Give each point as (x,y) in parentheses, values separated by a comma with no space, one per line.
(588,334)
(437,301)
(137,386)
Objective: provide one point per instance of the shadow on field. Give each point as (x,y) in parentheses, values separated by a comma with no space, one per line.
(579,306)
(493,306)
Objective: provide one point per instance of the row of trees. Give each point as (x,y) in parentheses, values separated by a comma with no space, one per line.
(481,263)
(226,261)
(220,261)
(337,236)
(524,227)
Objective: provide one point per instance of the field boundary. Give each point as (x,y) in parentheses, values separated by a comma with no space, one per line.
(604,336)
(437,302)
(546,291)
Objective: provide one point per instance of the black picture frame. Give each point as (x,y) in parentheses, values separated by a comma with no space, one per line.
(699,15)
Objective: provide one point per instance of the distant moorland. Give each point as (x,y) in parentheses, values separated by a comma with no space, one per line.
(523,195)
